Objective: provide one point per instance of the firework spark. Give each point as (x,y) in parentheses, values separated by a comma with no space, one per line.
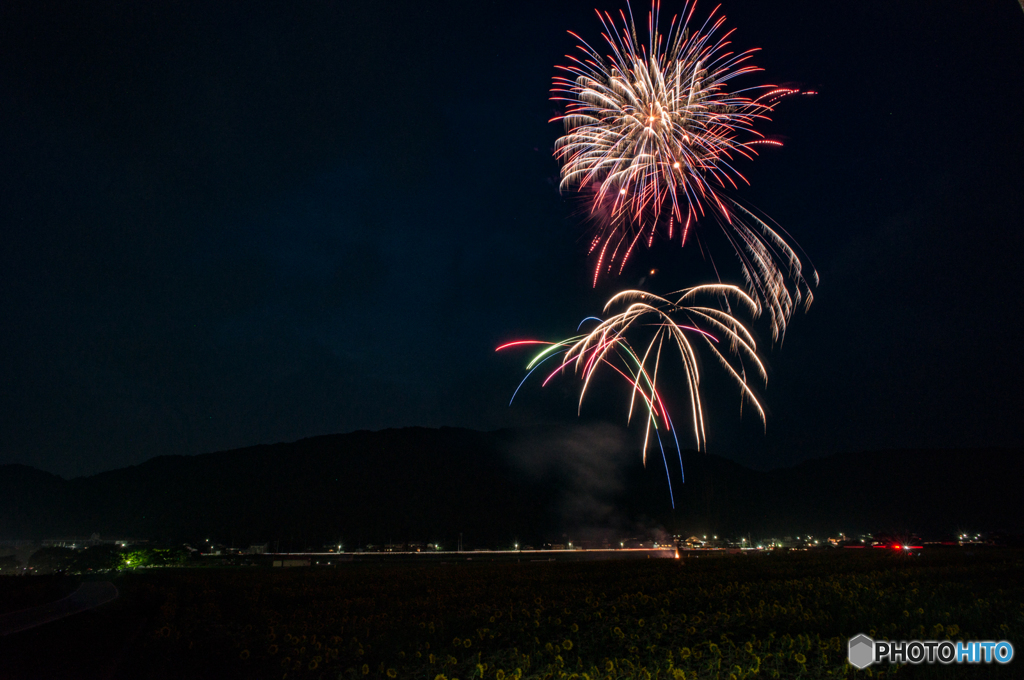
(652,133)
(684,322)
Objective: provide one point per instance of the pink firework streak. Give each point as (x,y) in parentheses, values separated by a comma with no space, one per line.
(653,131)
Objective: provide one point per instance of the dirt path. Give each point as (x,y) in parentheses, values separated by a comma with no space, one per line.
(90,594)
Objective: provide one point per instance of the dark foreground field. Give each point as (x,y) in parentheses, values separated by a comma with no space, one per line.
(764,616)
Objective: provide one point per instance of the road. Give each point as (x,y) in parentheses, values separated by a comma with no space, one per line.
(90,594)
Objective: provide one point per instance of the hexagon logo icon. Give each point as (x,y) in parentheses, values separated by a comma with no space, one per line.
(862,651)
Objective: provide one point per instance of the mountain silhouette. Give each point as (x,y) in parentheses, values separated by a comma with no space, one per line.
(497,488)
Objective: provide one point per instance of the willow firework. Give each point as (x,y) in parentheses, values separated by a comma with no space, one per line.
(652,132)
(630,344)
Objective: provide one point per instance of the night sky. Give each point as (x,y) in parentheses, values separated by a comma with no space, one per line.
(229,224)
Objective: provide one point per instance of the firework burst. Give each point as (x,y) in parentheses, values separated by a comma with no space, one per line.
(630,343)
(652,133)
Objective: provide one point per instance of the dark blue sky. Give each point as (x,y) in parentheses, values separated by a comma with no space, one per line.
(226,226)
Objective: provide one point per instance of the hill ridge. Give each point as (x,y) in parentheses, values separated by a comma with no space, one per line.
(533,484)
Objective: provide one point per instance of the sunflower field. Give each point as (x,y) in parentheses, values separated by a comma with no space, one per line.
(761,616)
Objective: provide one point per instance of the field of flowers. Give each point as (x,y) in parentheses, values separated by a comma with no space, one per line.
(765,616)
